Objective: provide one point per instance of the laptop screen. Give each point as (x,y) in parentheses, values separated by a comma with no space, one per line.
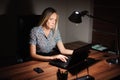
(79,55)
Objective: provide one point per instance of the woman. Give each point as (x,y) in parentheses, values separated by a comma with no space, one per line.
(45,37)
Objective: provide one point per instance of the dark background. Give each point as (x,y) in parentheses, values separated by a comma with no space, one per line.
(14,40)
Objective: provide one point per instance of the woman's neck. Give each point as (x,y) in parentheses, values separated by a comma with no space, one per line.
(46,31)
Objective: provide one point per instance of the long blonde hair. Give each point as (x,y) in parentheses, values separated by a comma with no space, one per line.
(45,16)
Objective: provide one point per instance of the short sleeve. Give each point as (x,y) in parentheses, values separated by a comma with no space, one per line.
(33,36)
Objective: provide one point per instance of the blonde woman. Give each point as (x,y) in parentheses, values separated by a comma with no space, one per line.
(45,37)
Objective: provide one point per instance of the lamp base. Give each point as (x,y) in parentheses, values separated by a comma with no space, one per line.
(87,77)
(114,60)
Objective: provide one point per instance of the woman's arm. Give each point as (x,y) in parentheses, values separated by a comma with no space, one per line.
(45,58)
(63,50)
(37,56)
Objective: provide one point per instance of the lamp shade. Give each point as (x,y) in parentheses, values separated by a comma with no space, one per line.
(75,17)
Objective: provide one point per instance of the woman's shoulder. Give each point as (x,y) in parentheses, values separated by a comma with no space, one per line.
(36,28)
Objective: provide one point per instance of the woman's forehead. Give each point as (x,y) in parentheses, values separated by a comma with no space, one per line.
(54,15)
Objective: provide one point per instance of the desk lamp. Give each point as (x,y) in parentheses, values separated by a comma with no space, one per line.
(76,18)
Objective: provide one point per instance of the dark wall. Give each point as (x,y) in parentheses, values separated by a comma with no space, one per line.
(15,27)
(105,29)
(14,39)
(8,39)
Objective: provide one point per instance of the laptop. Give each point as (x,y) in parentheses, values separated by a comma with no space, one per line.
(79,55)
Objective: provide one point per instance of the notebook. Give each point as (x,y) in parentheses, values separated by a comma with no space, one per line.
(79,55)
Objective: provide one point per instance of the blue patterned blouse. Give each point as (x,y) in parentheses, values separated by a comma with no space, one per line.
(44,44)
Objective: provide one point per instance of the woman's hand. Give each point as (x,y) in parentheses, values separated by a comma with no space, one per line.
(61,57)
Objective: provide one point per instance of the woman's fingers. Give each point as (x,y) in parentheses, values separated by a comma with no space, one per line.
(63,58)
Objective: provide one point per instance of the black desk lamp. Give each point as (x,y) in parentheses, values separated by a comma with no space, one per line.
(76,18)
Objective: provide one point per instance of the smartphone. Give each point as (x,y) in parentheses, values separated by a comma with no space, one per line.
(38,70)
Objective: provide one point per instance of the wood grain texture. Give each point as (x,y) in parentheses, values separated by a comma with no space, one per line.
(24,71)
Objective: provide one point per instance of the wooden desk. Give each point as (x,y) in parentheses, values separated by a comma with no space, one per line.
(24,71)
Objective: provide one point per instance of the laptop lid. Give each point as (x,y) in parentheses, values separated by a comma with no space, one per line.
(79,55)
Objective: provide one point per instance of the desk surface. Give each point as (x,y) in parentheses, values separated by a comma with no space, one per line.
(24,71)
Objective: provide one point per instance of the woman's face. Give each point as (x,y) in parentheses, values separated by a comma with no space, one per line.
(51,21)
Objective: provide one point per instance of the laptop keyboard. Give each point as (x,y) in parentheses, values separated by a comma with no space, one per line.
(60,63)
